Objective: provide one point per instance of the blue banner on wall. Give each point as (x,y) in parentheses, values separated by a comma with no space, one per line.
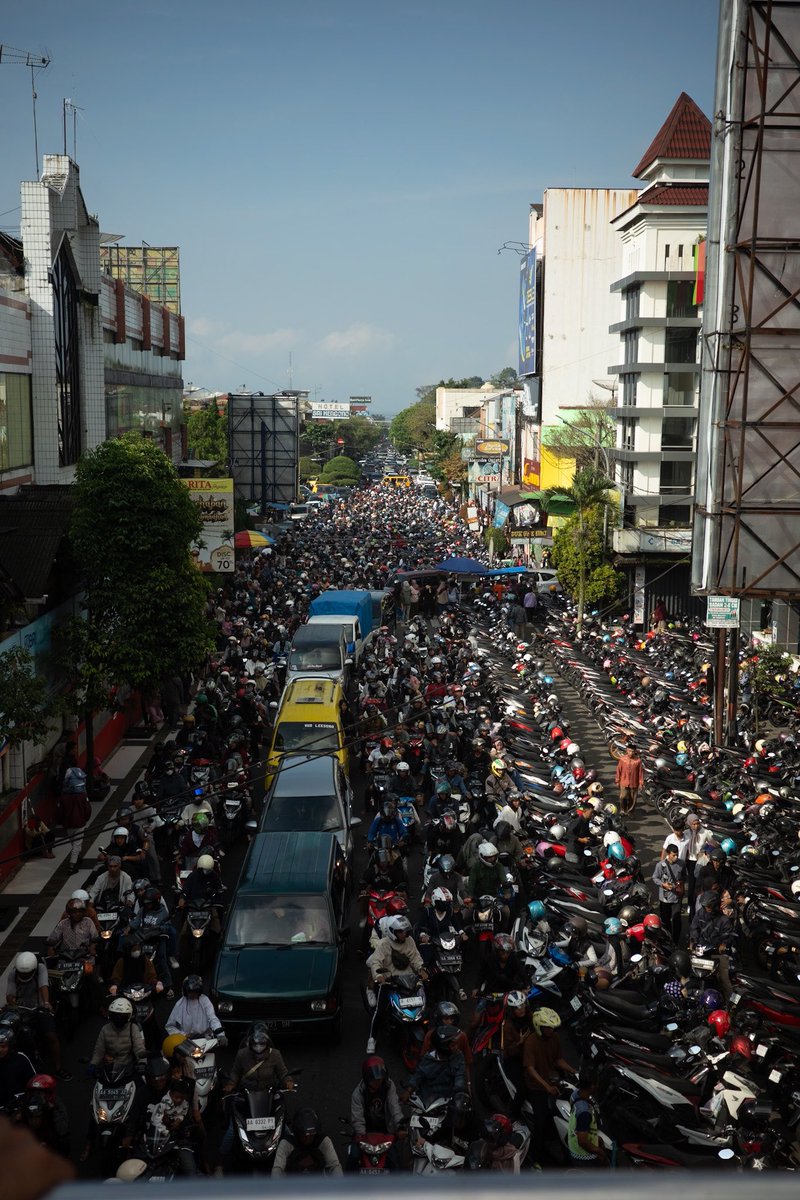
(527,314)
(501,512)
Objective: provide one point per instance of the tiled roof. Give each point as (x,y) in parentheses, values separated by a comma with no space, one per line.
(683,194)
(686,134)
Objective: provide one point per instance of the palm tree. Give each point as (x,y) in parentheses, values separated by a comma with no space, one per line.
(589,490)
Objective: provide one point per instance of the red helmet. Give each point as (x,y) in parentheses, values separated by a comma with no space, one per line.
(741,1045)
(45,1084)
(578,774)
(652,921)
(387,743)
(556,733)
(395,905)
(635,932)
(720,1022)
(562,745)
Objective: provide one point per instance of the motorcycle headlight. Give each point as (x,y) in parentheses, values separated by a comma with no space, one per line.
(225,1006)
(317,1006)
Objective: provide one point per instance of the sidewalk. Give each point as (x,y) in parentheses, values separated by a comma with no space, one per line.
(32,902)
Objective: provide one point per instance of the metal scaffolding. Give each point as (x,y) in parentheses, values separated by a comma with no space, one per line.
(747,523)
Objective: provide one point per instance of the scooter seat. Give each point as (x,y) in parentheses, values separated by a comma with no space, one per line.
(668,1154)
(658,1042)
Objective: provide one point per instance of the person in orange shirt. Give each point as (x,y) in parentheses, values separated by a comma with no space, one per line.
(499,590)
(630,777)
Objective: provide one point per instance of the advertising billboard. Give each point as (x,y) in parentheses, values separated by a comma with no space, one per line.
(527,314)
(214,500)
(325,411)
(154,271)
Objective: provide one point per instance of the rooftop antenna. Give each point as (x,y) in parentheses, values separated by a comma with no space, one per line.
(36,62)
(290,370)
(73,108)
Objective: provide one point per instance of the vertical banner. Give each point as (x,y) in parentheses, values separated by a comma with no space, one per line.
(527,314)
(214,499)
(638,596)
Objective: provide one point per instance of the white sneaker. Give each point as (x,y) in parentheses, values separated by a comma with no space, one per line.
(370,1045)
(372,999)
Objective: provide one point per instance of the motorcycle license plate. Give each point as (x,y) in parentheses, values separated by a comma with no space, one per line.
(259,1124)
(704,964)
(373,1171)
(450,960)
(106,916)
(204,1072)
(277,1024)
(412,1002)
(112,1095)
(575,1004)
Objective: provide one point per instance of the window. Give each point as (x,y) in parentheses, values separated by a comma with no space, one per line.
(625,476)
(280,921)
(680,301)
(680,346)
(675,514)
(628,434)
(677,433)
(632,298)
(306,813)
(679,388)
(676,477)
(629,383)
(16,425)
(301,735)
(630,342)
(67,352)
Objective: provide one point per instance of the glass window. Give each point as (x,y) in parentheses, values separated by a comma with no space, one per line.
(677,433)
(675,514)
(16,423)
(676,476)
(630,341)
(280,921)
(306,814)
(306,735)
(315,658)
(680,298)
(680,388)
(632,297)
(680,346)
(629,383)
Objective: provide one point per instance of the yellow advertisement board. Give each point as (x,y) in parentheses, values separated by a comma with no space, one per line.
(214,499)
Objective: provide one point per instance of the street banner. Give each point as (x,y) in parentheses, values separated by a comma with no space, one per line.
(214,499)
(527,314)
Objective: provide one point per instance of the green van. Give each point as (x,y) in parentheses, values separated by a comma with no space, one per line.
(282,948)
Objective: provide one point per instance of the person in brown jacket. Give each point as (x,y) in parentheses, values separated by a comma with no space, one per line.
(630,777)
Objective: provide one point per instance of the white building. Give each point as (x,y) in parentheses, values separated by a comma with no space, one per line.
(658,327)
(458,410)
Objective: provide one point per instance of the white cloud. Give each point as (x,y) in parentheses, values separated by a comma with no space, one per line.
(257,343)
(202,326)
(357,339)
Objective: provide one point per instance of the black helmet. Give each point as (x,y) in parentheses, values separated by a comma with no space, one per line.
(156,1068)
(681,963)
(628,914)
(258,1038)
(718,855)
(444,1038)
(192,983)
(577,925)
(708,900)
(7,1037)
(446,1011)
(497,1129)
(152,896)
(306,1126)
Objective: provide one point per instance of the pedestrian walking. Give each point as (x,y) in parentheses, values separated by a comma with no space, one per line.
(696,837)
(658,617)
(630,777)
(74,809)
(669,876)
(530,602)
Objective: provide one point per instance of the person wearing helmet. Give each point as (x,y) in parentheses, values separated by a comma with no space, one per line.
(443,835)
(586,1147)
(109,888)
(441,1073)
(445,875)
(304,1149)
(501,971)
(120,1040)
(488,876)
(387,824)
(194,1013)
(28,985)
(198,800)
(697,836)
(498,784)
(511,812)
(717,875)
(395,954)
(543,1061)
(75,931)
(15,1068)
(629,778)
(374,1105)
(516,1028)
(45,1114)
(149,1093)
(201,837)
(710,927)
(261,1063)
(669,876)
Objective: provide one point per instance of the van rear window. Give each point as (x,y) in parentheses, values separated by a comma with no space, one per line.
(315,658)
(306,735)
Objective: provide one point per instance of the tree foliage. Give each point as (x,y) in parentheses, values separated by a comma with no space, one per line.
(25,707)
(132,527)
(341,470)
(207,434)
(579,553)
(358,434)
(589,430)
(504,379)
(308,469)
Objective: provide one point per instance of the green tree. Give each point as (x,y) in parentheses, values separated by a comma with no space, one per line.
(207,434)
(26,709)
(504,379)
(341,469)
(579,553)
(132,528)
(765,673)
(308,468)
(584,434)
(317,439)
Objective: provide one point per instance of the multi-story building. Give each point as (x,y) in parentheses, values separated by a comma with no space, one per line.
(658,369)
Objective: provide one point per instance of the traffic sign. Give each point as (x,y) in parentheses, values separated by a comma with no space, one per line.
(722,612)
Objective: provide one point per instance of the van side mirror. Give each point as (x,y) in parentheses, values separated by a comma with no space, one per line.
(251,826)
(354,821)
(348,662)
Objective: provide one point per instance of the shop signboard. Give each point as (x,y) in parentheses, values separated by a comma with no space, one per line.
(214,499)
(722,612)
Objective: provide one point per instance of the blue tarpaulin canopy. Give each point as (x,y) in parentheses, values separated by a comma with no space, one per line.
(508,571)
(463,566)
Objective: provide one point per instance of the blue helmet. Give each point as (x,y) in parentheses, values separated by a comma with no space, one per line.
(728,845)
(537,910)
(612,926)
(681,759)
(617,850)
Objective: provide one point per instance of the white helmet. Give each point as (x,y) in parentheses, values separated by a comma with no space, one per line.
(487,853)
(611,838)
(120,1007)
(120,831)
(80,894)
(795,892)
(131,1169)
(26,963)
(397,925)
(205,863)
(557,832)
(572,749)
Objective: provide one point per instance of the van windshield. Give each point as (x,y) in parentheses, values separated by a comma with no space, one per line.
(315,658)
(306,735)
(279,921)
(304,814)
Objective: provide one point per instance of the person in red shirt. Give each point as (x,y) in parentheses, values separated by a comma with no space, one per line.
(630,777)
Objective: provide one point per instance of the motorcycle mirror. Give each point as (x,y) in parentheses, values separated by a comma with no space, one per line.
(636,958)
(695,1049)
(672,1027)
(608,891)
(726,1155)
(588,853)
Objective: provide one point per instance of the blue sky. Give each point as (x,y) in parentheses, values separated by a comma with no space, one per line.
(340,175)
